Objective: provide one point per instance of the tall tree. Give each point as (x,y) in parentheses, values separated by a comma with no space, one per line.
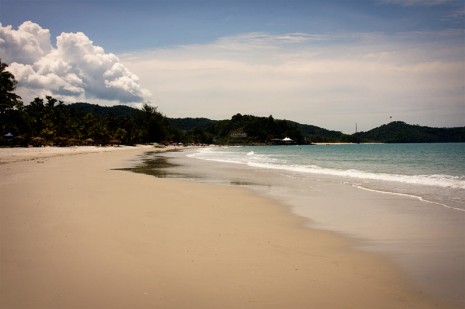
(10,102)
(155,124)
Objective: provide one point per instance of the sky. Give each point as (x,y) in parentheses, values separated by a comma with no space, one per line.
(330,63)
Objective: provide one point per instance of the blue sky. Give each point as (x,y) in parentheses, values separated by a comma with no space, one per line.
(328,63)
(122,25)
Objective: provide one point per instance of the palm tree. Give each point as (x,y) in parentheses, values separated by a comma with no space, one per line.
(10,102)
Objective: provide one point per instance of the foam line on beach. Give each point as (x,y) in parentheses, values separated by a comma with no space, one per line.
(268,162)
(409,196)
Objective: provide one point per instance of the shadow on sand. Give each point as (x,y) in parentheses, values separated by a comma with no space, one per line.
(155,164)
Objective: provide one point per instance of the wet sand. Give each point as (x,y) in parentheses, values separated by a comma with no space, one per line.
(77,233)
(424,239)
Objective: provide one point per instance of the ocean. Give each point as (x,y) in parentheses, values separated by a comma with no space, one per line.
(434,173)
(404,201)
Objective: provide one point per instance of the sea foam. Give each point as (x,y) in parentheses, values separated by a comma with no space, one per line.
(280,163)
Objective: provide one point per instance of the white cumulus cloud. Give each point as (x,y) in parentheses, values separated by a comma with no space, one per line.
(75,69)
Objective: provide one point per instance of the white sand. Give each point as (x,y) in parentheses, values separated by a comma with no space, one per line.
(77,234)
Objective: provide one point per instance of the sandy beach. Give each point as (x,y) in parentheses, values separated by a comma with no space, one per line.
(77,233)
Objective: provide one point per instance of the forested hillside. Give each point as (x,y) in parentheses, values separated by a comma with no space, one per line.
(248,129)
(401,132)
(316,134)
(51,122)
(102,111)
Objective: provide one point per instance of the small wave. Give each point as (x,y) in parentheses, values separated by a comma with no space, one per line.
(209,154)
(444,181)
(409,196)
(263,161)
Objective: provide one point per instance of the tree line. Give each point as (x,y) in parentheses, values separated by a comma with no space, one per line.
(401,132)
(48,121)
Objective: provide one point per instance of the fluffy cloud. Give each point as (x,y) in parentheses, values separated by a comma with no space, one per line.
(75,69)
(26,45)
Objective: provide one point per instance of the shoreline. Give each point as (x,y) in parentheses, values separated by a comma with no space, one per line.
(78,233)
(423,239)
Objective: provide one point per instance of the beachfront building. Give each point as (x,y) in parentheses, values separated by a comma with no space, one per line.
(284,141)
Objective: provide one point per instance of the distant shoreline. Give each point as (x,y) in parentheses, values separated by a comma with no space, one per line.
(18,154)
(346,143)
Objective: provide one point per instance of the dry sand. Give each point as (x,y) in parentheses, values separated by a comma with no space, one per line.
(10,155)
(74,233)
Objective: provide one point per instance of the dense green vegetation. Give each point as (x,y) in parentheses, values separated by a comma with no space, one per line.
(51,122)
(247,129)
(401,132)
(319,135)
(10,103)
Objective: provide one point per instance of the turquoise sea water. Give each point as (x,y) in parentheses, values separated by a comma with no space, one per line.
(432,172)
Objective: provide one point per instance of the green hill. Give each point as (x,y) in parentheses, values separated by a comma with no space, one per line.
(401,132)
(316,134)
(188,124)
(101,111)
(248,129)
